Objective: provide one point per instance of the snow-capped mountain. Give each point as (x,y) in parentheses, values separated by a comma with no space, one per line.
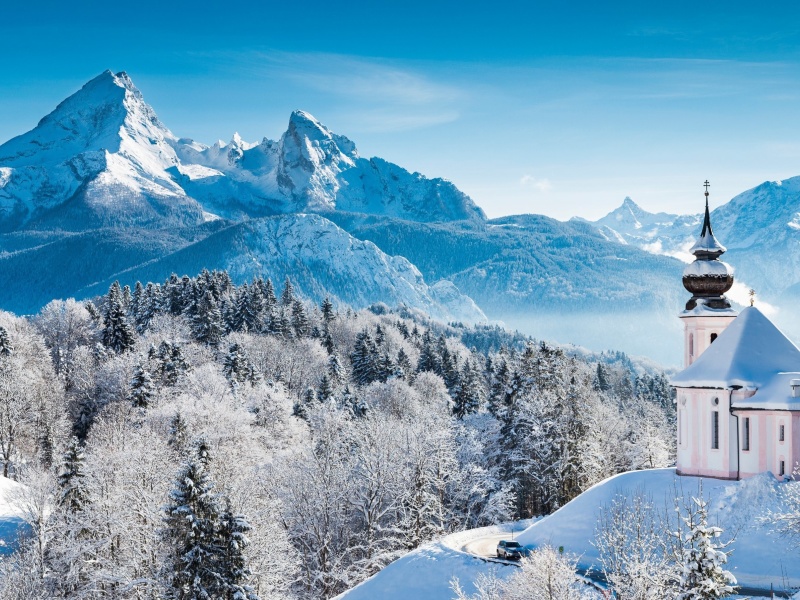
(760,227)
(659,233)
(101,187)
(103,158)
(311,169)
(99,159)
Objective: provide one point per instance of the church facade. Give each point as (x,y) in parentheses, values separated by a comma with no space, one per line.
(738,397)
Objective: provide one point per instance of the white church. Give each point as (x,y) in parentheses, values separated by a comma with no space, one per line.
(738,397)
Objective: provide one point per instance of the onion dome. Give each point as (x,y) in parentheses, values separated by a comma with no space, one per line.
(707,278)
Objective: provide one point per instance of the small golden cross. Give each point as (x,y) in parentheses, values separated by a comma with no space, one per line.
(752,296)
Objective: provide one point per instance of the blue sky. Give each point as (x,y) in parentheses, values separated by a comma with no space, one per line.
(561,108)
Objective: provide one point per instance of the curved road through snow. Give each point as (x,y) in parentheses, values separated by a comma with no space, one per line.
(486,548)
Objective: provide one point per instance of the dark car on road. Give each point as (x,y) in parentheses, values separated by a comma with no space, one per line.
(509,550)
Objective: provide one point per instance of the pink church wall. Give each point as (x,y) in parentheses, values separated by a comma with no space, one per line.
(695,456)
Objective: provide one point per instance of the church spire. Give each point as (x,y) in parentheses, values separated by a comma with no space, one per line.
(707,247)
(707,219)
(707,278)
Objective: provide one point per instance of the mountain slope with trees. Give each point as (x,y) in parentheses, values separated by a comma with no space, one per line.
(332,441)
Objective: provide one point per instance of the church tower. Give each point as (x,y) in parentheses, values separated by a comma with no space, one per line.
(708,312)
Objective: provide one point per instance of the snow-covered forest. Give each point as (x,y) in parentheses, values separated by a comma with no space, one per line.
(199,437)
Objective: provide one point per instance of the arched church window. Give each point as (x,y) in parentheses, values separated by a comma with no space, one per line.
(691,344)
(713,337)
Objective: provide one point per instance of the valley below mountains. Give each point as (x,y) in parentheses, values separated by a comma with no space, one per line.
(100,190)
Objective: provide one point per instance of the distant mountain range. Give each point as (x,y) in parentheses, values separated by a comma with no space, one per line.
(760,228)
(101,190)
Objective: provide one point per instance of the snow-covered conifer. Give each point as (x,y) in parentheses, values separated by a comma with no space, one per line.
(6,347)
(237,366)
(142,389)
(429,358)
(118,335)
(467,398)
(207,321)
(178,434)
(287,297)
(192,522)
(233,530)
(300,324)
(703,556)
(73,495)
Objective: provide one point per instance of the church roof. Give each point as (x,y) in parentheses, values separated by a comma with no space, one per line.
(775,395)
(749,353)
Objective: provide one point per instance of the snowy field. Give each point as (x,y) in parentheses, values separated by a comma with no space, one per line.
(427,571)
(759,558)
(10,516)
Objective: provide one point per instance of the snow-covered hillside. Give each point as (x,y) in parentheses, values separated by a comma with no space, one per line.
(321,259)
(760,557)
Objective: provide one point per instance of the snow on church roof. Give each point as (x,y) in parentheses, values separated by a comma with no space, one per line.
(775,395)
(749,353)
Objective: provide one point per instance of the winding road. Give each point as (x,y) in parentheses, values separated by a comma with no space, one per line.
(485,547)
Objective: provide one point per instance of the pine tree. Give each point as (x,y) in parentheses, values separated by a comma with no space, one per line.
(305,404)
(73,495)
(237,367)
(149,305)
(141,388)
(171,362)
(233,540)
(403,364)
(300,324)
(299,410)
(364,359)
(448,366)
(467,398)
(287,297)
(178,434)
(126,297)
(703,576)
(136,301)
(327,313)
(601,378)
(428,356)
(325,389)
(207,321)
(6,347)
(255,308)
(327,342)
(117,333)
(45,445)
(238,308)
(386,369)
(192,524)
(336,372)
(268,291)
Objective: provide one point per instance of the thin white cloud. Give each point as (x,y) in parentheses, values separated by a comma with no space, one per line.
(543,185)
(384,95)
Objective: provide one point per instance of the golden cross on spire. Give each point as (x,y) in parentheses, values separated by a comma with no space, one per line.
(752,296)
(706,185)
